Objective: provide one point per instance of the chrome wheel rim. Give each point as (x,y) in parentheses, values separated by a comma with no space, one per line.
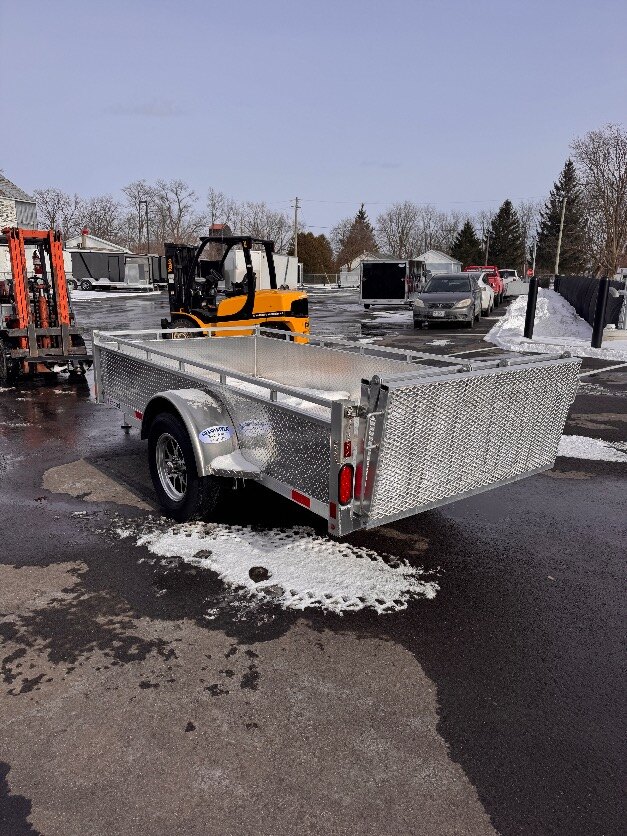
(171,467)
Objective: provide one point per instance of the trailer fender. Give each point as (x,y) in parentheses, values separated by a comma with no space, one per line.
(207,421)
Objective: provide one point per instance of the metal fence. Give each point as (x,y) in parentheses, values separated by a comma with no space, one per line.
(582,292)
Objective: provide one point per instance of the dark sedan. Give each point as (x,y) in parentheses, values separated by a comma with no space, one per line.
(447,297)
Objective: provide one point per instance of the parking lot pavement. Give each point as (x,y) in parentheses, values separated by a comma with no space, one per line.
(141,696)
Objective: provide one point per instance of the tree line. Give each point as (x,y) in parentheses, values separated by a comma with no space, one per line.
(150,214)
(591,191)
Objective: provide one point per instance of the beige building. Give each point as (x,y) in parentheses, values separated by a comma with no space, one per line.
(16,207)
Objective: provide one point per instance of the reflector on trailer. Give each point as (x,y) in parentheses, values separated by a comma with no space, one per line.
(345,484)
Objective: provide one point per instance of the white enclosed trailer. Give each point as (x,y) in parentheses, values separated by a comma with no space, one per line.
(286,268)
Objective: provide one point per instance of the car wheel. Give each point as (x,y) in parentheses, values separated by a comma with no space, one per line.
(182,493)
(86,285)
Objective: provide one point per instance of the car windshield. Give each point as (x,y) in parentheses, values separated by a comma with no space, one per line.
(442,284)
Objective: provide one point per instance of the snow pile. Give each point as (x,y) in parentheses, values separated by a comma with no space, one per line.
(441,342)
(582,447)
(400,315)
(90,295)
(557,328)
(306,571)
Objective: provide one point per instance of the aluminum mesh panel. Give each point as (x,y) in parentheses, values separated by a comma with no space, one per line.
(447,438)
(285,445)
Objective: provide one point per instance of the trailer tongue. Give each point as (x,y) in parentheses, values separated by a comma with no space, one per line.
(360,435)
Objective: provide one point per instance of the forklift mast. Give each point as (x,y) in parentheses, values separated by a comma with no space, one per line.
(38,333)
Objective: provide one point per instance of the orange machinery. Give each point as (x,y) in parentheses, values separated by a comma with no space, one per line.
(37,330)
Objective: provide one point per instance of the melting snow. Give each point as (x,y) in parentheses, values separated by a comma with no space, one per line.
(557,328)
(441,342)
(306,570)
(582,447)
(90,295)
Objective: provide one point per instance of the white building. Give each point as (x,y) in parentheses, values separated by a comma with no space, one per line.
(437,262)
(87,241)
(16,207)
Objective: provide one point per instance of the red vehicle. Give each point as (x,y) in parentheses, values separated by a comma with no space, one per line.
(494,280)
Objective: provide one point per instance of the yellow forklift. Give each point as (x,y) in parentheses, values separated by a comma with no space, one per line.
(198,301)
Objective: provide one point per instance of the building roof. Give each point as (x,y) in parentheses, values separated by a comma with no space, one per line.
(354,264)
(94,243)
(431,256)
(13,192)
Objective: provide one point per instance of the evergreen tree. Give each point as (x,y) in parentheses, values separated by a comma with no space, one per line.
(506,239)
(315,253)
(358,239)
(467,247)
(574,236)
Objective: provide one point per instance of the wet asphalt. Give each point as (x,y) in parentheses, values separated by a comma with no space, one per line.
(139,696)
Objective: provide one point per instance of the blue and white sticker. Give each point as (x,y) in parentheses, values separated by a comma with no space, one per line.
(215,435)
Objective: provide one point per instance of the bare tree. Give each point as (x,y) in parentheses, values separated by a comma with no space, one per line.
(175,212)
(601,160)
(258,220)
(104,217)
(398,230)
(339,234)
(59,210)
(221,209)
(136,216)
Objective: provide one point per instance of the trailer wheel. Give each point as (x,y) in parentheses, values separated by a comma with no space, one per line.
(86,285)
(181,492)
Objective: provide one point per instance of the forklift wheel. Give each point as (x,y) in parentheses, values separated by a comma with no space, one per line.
(181,492)
(8,370)
(182,323)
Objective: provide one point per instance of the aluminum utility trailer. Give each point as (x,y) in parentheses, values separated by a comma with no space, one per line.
(361,435)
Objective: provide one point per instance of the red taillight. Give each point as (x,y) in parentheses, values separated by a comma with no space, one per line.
(345,484)
(348,449)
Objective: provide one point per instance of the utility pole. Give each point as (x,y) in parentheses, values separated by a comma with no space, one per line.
(487,247)
(145,205)
(296,208)
(559,240)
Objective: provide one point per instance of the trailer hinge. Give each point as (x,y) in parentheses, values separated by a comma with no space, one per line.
(355,412)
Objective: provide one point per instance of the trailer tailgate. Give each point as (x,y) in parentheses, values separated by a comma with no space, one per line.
(439,439)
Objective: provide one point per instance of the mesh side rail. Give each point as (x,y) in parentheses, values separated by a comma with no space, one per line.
(443,439)
(287,445)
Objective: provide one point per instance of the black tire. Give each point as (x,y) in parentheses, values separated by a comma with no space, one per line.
(8,369)
(198,494)
(366,307)
(86,285)
(181,322)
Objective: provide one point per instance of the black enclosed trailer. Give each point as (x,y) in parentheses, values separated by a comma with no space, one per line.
(389,282)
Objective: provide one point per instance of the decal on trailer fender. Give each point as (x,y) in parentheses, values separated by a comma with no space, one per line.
(215,435)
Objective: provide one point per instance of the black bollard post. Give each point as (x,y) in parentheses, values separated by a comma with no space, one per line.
(556,284)
(599,313)
(532,298)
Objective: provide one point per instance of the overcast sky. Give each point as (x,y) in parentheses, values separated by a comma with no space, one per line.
(455,103)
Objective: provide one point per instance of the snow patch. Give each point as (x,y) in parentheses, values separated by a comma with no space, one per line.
(306,571)
(583,447)
(90,295)
(441,342)
(557,328)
